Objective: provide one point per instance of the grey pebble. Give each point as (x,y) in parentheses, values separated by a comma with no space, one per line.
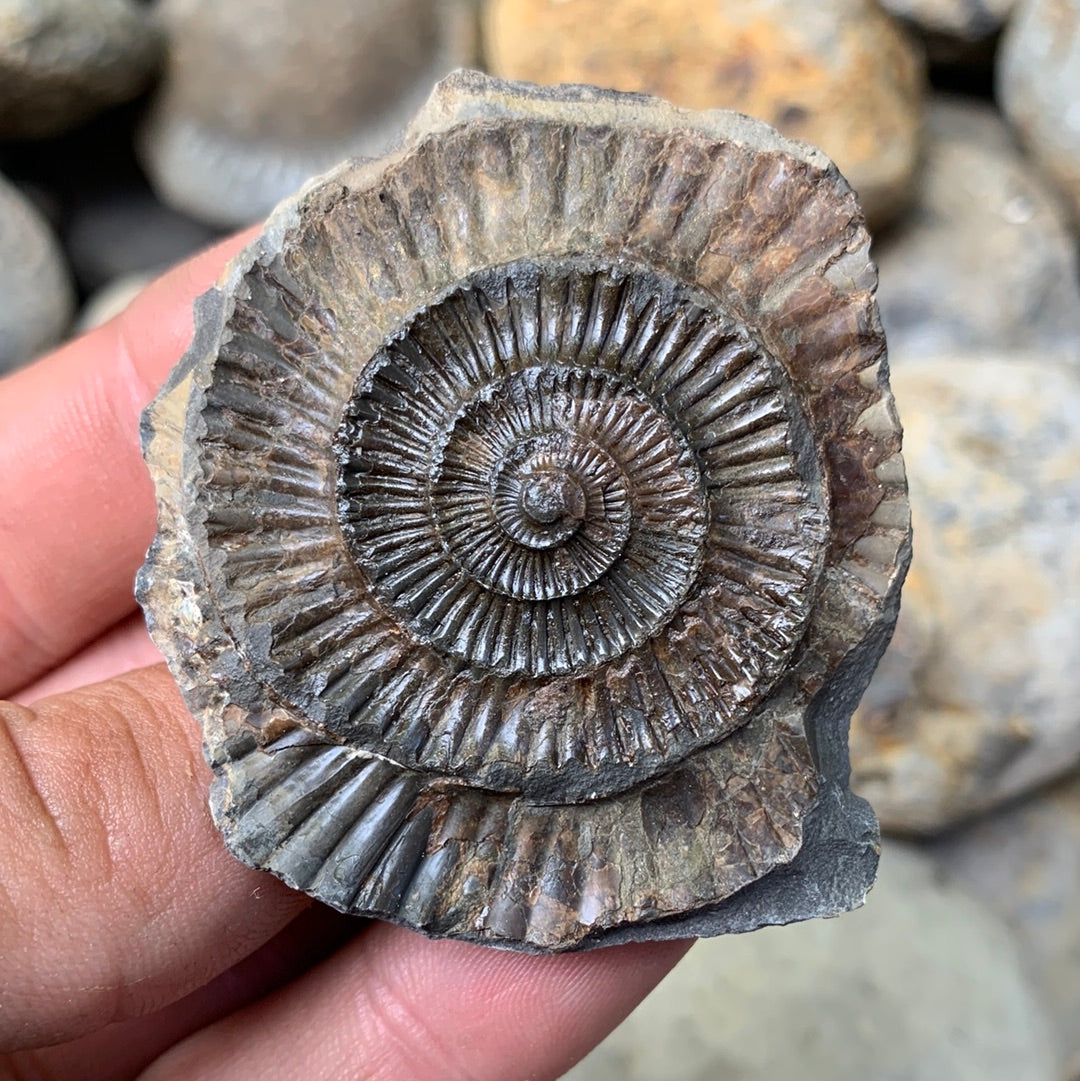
(1023,862)
(259,95)
(62,61)
(986,258)
(920,985)
(36,295)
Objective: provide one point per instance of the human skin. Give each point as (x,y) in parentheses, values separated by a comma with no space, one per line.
(131,943)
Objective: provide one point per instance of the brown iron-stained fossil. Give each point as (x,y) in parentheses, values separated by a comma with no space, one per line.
(531,519)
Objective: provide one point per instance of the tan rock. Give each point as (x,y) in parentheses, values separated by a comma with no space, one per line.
(839,73)
(977,699)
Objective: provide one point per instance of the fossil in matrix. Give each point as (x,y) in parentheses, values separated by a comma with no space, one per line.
(531,518)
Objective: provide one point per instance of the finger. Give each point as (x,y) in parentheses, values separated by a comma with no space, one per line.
(119,896)
(396,1007)
(77,511)
(120,649)
(121,1051)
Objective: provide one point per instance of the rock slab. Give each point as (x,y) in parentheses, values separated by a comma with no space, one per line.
(608,697)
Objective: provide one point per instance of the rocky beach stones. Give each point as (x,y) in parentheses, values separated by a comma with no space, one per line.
(36,295)
(531,516)
(433,765)
(1038,82)
(985,259)
(839,74)
(62,61)
(256,100)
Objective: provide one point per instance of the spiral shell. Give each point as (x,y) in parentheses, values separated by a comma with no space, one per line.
(525,497)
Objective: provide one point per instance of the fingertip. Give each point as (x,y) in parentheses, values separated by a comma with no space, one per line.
(122,896)
(78,509)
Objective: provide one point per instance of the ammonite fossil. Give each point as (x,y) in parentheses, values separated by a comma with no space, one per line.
(531,519)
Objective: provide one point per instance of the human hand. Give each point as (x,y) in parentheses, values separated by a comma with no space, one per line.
(131,943)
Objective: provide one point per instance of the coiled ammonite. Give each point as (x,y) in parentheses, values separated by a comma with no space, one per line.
(531,519)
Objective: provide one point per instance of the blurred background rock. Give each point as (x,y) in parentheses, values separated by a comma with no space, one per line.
(132,134)
(258,95)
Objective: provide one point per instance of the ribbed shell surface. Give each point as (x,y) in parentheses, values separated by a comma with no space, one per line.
(519,492)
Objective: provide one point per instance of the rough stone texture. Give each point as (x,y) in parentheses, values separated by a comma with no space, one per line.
(551,642)
(127,231)
(1023,862)
(1038,84)
(985,258)
(110,300)
(965,20)
(36,298)
(259,95)
(839,74)
(977,698)
(920,985)
(62,61)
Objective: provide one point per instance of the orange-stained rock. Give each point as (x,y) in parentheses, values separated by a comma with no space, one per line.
(839,73)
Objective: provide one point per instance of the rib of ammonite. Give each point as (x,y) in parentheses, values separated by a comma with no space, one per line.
(531,520)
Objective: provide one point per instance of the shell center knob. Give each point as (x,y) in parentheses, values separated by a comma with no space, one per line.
(552,496)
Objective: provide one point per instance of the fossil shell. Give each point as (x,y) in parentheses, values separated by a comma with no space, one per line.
(531,517)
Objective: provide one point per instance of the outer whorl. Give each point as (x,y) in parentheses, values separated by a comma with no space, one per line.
(531,518)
